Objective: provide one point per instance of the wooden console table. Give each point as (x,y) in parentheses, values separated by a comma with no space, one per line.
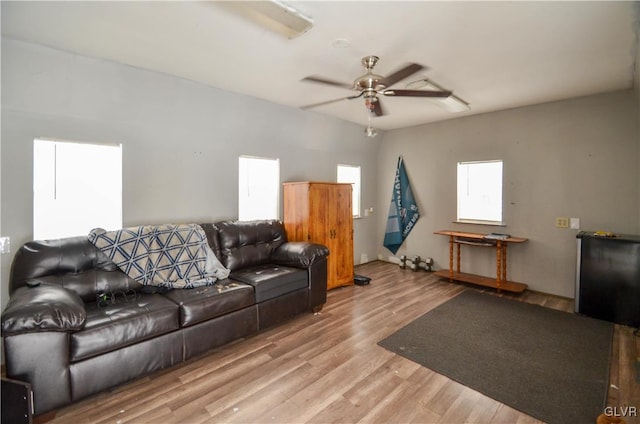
(500,282)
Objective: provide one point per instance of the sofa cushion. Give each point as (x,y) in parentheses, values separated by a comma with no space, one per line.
(123,323)
(203,303)
(89,283)
(271,281)
(73,263)
(212,238)
(249,243)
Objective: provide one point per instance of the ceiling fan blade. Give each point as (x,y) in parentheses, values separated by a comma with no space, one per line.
(401,74)
(328,82)
(328,102)
(331,101)
(416,93)
(377,108)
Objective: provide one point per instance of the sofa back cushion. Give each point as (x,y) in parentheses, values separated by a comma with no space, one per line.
(73,263)
(212,238)
(249,243)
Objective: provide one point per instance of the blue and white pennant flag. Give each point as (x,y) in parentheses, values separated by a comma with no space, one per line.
(403,211)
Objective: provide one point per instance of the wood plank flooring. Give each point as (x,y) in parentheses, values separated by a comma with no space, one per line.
(327,368)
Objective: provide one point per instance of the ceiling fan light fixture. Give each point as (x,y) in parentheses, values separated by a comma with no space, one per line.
(451,103)
(371,109)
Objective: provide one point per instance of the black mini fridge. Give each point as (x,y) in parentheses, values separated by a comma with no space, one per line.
(608,277)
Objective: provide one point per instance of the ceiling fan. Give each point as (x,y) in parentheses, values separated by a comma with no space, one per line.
(370,86)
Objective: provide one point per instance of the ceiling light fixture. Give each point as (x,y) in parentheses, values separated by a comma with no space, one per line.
(273,15)
(370,131)
(452,103)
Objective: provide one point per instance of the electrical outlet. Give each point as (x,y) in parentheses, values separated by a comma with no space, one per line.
(562,222)
(574,223)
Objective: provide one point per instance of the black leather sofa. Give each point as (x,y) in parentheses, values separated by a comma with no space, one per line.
(68,344)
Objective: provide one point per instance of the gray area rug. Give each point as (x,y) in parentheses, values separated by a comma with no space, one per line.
(549,364)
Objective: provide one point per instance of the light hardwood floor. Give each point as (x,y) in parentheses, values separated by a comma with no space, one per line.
(327,368)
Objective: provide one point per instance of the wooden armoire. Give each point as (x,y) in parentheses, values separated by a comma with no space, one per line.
(321,212)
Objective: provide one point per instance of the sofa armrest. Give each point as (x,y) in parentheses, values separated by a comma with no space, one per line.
(299,254)
(46,307)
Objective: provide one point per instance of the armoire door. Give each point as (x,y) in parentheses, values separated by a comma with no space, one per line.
(342,225)
(322,201)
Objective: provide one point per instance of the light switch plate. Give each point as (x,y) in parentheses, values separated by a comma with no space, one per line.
(574,223)
(5,245)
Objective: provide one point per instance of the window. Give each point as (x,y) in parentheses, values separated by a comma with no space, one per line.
(480,192)
(76,187)
(351,174)
(258,188)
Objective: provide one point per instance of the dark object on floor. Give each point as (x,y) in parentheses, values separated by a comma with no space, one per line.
(361,280)
(549,364)
(17,402)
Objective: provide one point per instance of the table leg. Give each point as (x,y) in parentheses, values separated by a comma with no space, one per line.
(451,259)
(498,264)
(504,262)
(458,260)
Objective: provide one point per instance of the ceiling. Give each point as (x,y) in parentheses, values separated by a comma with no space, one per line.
(494,55)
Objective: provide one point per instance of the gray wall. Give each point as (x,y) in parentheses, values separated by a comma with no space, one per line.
(181,140)
(574,158)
